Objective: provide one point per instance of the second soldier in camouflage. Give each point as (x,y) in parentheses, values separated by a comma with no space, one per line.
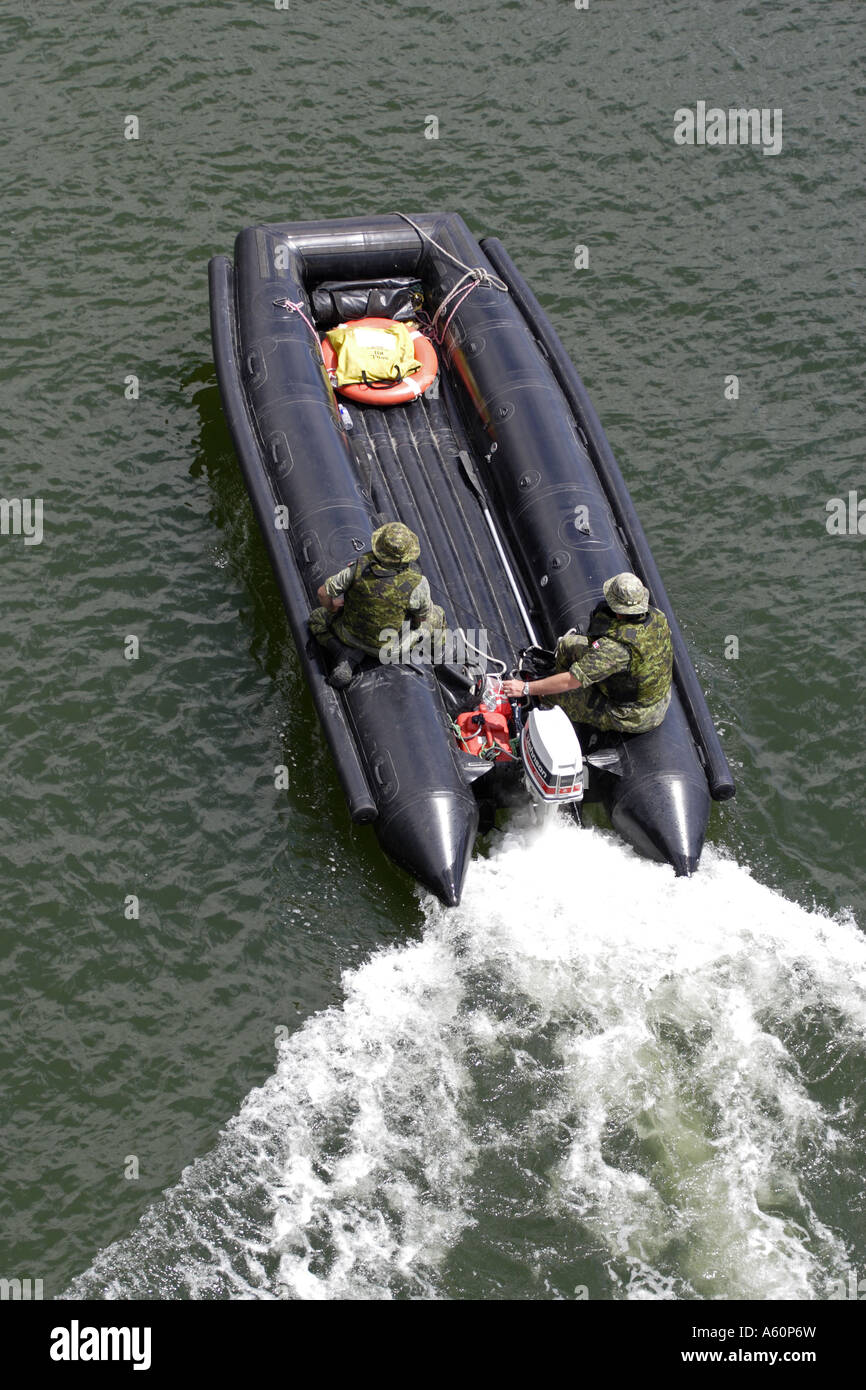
(618,677)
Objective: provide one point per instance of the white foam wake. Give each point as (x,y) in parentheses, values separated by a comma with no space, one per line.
(591,1073)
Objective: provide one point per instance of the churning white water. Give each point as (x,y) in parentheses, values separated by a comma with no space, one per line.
(592,1078)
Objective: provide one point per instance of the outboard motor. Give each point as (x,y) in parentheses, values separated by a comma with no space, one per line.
(550,751)
(552,757)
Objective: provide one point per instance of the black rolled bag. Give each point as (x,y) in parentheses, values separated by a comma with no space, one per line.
(335,301)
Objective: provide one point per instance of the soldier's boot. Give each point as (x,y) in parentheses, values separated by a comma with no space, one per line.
(349,659)
(341,676)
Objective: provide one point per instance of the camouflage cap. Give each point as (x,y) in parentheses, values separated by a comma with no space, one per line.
(626,594)
(395,543)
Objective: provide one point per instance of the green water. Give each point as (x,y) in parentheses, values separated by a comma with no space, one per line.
(154,777)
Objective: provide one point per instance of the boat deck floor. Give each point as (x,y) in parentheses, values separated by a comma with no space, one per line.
(406,457)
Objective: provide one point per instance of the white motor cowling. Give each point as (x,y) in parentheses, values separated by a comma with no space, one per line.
(552,757)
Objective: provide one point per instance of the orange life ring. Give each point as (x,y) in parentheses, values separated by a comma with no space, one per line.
(409,389)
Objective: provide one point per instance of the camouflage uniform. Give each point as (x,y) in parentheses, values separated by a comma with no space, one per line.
(381,590)
(624,666)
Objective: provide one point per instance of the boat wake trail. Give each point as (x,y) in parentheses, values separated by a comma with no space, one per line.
(592,1079)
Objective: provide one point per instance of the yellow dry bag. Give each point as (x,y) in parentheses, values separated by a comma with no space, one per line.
(372,355)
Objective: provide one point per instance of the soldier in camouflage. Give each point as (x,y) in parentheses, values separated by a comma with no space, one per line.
(380,590)
(617,677)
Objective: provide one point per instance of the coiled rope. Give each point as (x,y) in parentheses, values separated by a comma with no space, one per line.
(471,279)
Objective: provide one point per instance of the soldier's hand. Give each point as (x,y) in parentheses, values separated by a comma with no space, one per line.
(513,689)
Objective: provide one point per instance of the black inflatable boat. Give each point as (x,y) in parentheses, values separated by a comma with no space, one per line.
(502,469)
